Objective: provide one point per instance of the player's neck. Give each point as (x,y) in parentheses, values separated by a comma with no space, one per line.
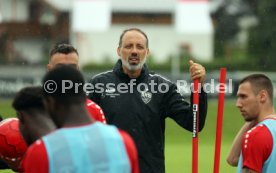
(75,116)
(41,125)
(78,123)
(267,112)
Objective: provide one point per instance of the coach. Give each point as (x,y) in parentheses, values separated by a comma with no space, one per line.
(139,102)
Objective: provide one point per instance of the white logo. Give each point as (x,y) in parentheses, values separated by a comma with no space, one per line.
(110,90)
(146,96)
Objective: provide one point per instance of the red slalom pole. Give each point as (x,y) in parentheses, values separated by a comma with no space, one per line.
(195,127)
(219,119)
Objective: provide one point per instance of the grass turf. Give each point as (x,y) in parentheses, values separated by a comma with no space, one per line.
(178,147)
(178,150)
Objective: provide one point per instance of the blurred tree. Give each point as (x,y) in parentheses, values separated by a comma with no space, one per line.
(262,38)
(226,28)
(226,21)
(253,4)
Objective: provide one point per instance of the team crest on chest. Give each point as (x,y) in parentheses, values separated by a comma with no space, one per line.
(146,96)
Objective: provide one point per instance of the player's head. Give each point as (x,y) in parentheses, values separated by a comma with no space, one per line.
(255,93)
(63,54)
(133,49)
(28,104)
(63,90)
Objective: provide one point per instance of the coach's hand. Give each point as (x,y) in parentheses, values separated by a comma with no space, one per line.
(197,71)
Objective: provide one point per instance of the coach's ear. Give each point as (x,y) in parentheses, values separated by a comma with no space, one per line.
(119,51)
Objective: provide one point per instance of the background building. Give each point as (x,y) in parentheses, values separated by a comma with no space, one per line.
(29,28)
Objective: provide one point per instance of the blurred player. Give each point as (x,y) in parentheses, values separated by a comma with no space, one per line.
(65,54)
(257,151)
(3,165)
(61,54)
(35,121)
(80,144)
(33,117)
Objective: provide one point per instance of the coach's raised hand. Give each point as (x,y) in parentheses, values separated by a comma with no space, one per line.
(197,71)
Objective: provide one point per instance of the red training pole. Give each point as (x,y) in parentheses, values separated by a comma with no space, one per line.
(195,127)
(219,118)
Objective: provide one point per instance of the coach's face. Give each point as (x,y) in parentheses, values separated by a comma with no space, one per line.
(248,102)
(58,59)
(133,51)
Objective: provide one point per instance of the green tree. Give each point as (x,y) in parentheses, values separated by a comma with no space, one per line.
(262,38)
(226,21)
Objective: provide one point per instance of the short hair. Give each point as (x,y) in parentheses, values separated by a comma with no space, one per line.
(259,82)
(133,29)
(28,98)
(60,78)
(64,49)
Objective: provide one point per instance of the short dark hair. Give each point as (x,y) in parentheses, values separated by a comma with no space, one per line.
(133,29)
(259,82)
(61,76)
(63,48)
(28,98)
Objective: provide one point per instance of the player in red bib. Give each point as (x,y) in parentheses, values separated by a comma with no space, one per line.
(254,147)
(96,146)
(37,159)
(65,54)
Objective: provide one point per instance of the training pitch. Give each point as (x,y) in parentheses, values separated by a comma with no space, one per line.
(178,147)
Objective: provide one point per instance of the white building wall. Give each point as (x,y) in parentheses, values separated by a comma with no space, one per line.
(192,27)
(14,10)
(30,49)
(93,47)
(125,5)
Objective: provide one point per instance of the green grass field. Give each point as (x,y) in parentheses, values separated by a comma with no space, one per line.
(178,149)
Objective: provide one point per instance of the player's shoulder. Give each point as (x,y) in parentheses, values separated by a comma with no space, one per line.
(259,132)
(90,102)
(129,145)
(36,158)
(126,137)
(92,105)
(37,145)
(95,111)
(35,150)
